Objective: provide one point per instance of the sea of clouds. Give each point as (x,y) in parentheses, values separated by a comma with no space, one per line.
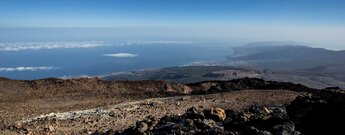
(36,46)
(121,55)
(20,46)
(11,69)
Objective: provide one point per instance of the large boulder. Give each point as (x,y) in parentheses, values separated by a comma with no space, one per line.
(319,113)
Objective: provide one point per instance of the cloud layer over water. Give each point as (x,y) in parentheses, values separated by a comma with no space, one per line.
(121,55)
(12,69)
(20,46)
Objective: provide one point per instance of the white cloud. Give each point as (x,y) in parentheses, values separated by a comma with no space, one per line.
(122,55)
(19,46)
(160,42)
(77,76)
(26,69)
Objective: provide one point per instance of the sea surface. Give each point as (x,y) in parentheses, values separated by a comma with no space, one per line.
(60,59)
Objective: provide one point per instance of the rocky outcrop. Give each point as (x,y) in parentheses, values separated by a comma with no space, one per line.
(253,121)
(319,113)
(245,83)
(310,114)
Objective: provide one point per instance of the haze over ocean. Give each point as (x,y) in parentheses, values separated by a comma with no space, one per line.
(46,38)
(318,22)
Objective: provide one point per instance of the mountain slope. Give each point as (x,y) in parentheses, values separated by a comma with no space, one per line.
(192,74)
(35,106)
(51,95)
(285,57)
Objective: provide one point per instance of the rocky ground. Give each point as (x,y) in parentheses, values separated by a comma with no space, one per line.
(310,114)
(93,106)
(122,115)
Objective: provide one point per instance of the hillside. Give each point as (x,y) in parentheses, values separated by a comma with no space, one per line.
(22,100)
(308,115)
(287,57)
(95,106)
(192,74)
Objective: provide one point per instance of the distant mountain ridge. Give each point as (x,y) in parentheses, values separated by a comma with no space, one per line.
(277,61)
(287,57)
(193,74)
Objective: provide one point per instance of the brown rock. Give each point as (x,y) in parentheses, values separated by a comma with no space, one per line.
(51,128)
(18,125)
(218,113)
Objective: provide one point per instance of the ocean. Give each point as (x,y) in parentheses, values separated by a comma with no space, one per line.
(61,59)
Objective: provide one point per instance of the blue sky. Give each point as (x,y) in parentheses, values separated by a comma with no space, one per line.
(314,21)
(115,13)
